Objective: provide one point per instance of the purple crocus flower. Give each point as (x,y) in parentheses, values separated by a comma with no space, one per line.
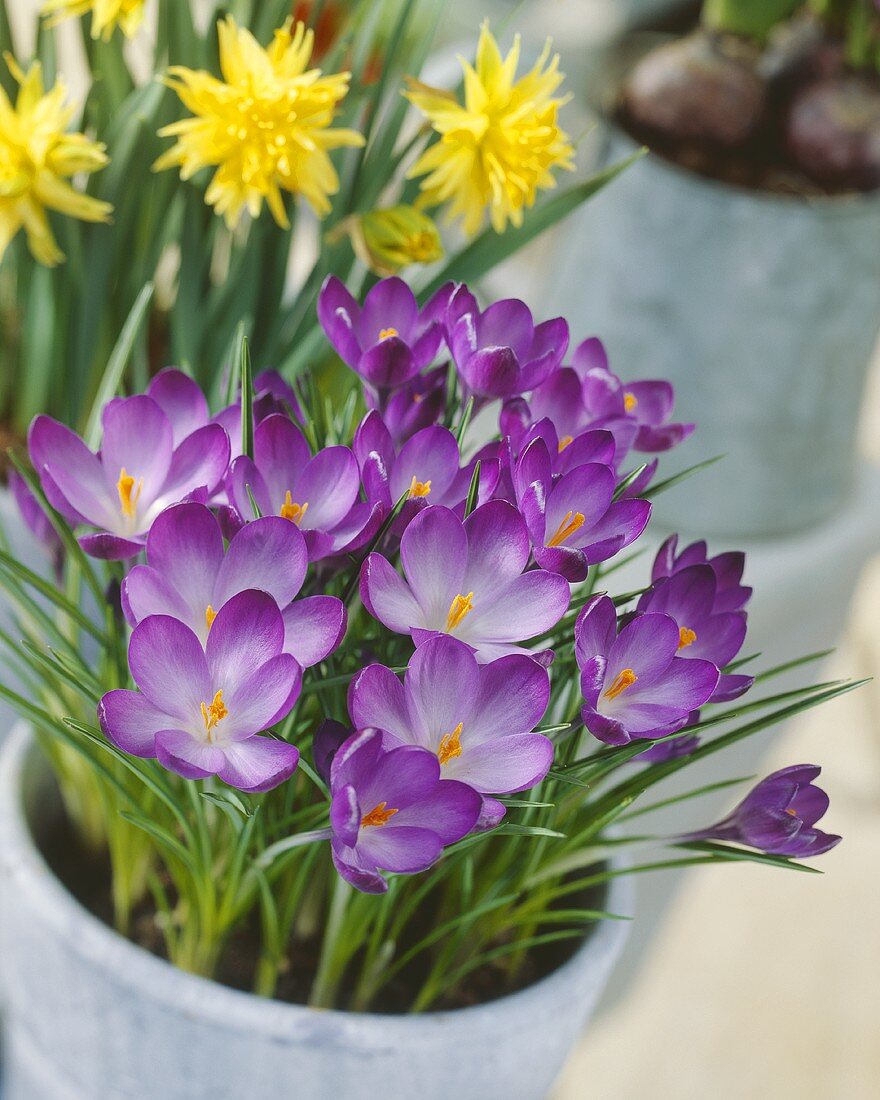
(418,404)
(634,684)
(199,710)
(778,816)
(466,579)
(730,593)
(647,405)
(36,520)
(675,748)
(191,577)
(574,521)
(476,719)
(500,351)
(388,340)
(689,596)
(319,495)
(426,468)
(391,811)
(137,473)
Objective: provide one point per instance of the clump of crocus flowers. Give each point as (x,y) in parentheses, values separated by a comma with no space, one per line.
(395,629)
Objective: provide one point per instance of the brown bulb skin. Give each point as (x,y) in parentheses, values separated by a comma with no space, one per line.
(700,88)
(833,132)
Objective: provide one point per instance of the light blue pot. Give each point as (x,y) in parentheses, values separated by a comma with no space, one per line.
(89,1016)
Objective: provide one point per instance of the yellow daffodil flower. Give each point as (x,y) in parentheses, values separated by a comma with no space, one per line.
(265,126)
(106,14)
(37,158)
(499,148)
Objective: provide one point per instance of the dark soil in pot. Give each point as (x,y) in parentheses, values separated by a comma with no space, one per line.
(87,877)
(790,118)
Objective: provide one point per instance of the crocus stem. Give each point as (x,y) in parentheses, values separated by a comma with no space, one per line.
(324,987)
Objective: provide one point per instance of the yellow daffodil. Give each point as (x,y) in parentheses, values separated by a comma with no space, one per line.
(499,148)
(106,14)
(265,126)
(37,157)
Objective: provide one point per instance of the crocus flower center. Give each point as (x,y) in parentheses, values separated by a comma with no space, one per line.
(458,609)
(129,490)
(623,680)
(566,441)
(686,637)
(387,333)
(419,488)
(571,522)
(450,746)
(210,616)
(630,401)
(293,511)
(377,816)
(214,712)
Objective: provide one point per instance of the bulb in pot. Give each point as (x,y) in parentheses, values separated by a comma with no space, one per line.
(833,131)
(704,87)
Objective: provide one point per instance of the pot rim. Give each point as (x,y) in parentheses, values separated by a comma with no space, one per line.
(617,60)
(133,966)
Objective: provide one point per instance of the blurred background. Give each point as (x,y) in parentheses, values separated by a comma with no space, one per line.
(762,308)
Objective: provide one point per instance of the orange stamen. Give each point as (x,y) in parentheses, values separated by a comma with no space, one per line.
(450,746)
(622,681)
(571,522)
(377,816)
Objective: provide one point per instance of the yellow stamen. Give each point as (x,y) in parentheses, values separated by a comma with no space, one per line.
(214,713)
(792,812)
(128,499)
(210,616)
(450,746)
(686,637)
(377,816)
(630,401)
(292,511)
(622,681)
(419,488)
(458,609)
(566,441)
(385,333)
(571,522)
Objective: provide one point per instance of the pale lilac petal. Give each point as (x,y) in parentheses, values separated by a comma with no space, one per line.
(244,475)
(451,811)
(498,546)
(430,456)
(530,605)
(442,682)
(401,778)
(647,644)
(513,696)
(51,443)
(185,547)
(182,401)
(265,697)
(200,462)
(329,484)
(388,597)
(188,756)
(313,628)
(377,698)
(168,665)
(146,592)
(345,815)
(268,554)
(434,551)
(137,436)
(247,632)
(595,629)
(405,849)
(258,764)
(130,721)
(503,766)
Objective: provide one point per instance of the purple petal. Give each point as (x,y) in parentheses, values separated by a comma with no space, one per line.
(647,644)
(451,811)
(338,313)
(387,364)
(595,629)
(182,401)
(431,457)
(268,554)
(199,462)
(442,682)
(328,739)
(188,756)
(185,547)
(376,698)
(110,547)
(387,596)
(401,849)
(434,552)
(389,304)
(530,605)
(497,546)
(264,698)
(131,722)
(51,443)
(258,764)
(137,436)
(401,777)
(504,765)
(345,815)
(513,696)
(168,665)
(313,628)
(329,483)
(146,592)
(590,354)
(248,632)
(281,453)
